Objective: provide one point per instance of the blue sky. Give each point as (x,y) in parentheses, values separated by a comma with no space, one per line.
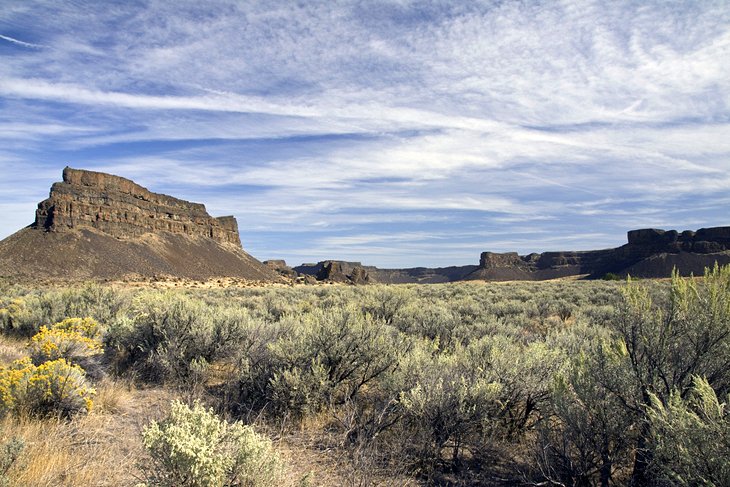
(395,133)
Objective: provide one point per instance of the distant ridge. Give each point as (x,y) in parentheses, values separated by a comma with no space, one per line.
(649,253)
(100,226)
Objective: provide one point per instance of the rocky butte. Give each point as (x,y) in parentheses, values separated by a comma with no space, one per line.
(97,225)
(123,209)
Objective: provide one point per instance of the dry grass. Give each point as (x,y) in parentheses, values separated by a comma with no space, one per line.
(104,448)
(71,453)
(315,453)
(101,449)
(12,349)
(113,396)
(313,459)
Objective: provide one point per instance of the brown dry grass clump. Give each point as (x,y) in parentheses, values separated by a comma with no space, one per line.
(11,349)
(100,449)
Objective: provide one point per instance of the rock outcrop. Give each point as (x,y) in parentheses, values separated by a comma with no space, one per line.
(124,209)
(649,253)
(335,271)
(96,225)
(279,266)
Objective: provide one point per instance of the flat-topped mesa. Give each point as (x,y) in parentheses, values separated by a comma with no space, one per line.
(650,252)
(123,209)
(703,241)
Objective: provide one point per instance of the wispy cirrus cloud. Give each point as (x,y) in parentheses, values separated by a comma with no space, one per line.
(437,129)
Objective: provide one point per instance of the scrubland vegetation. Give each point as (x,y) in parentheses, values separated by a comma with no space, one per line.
(572,383)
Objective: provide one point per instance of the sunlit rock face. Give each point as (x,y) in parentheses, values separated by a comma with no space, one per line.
(121,208)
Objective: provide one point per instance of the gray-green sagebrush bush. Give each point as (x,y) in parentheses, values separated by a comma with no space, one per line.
(691,437)
(321,358)
(655,344)
(574,383)
(171,337)
(23,312)
(662,347)
(457,407)
(192,447)
(590,435)
(10,450)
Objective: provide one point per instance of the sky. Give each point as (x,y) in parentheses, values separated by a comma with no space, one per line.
(395,133)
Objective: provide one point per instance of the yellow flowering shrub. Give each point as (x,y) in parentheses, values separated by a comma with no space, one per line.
(53,387)
(87,327)
(74,339)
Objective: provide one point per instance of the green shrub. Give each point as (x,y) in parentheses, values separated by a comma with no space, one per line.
(383,302)
(327,358)
(26,311)
(444,407)
(610,276)
(591,435)
(425,319)
(192,447)
(9,453)
(169,336)
(22,315)
(692,438)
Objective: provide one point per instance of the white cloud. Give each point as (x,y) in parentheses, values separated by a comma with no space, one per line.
(21,43)
(339,117)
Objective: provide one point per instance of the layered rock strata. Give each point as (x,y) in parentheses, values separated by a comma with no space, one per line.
(123,209)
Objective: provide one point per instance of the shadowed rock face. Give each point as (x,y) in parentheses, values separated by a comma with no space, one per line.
(123,209)
(279,266)
(336,271)
(649,252)
(356,273)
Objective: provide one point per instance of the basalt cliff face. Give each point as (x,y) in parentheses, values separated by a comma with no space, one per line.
(97,225)
(356,273)
(649,253)
(123,209)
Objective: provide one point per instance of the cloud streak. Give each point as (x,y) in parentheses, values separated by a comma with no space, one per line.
(21,43)
(429,128)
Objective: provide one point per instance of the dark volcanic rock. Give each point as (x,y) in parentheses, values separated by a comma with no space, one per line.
(279,266)
(332,271)
(123,209)
(651,237)
(649,253)
(718,234)
(96,225)
(359,275)
(362,274)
